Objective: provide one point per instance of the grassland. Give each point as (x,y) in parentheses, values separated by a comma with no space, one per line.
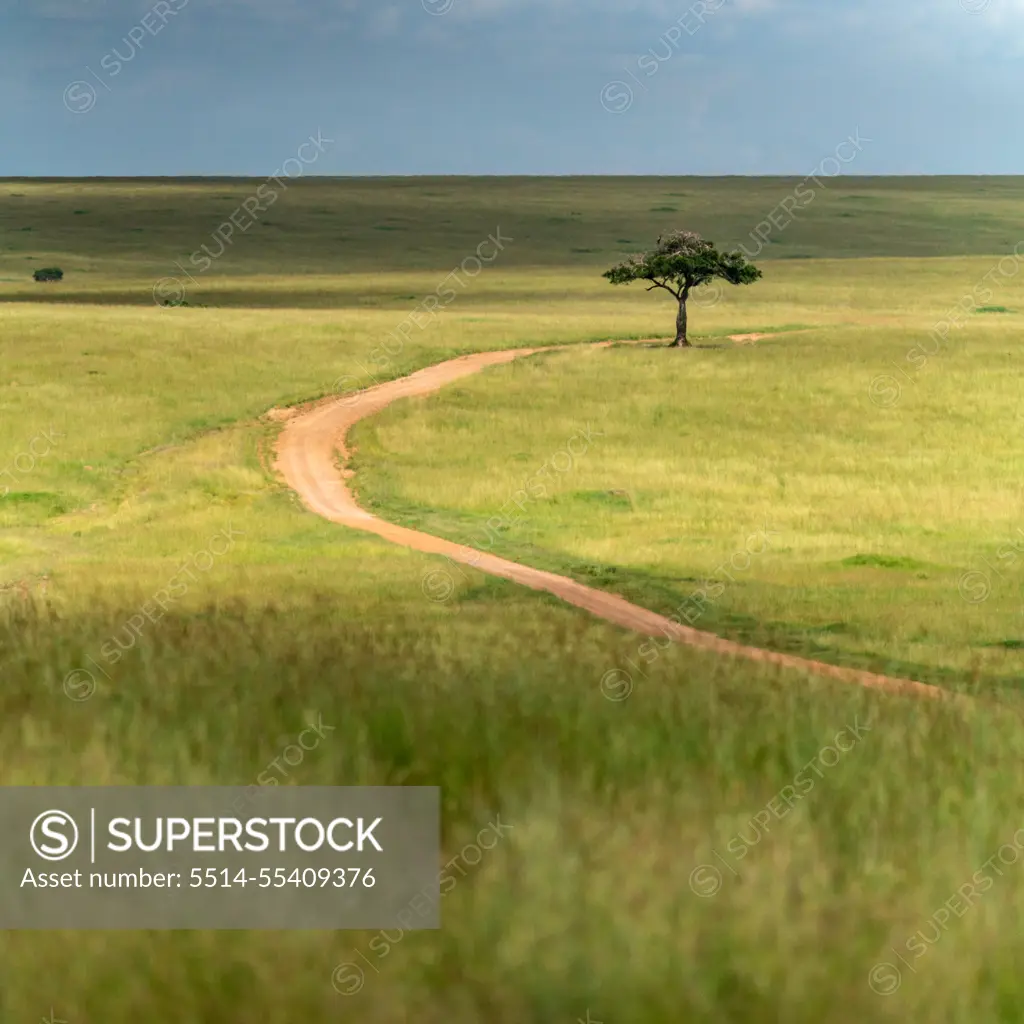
(591,904)
(116,238)
(899,539)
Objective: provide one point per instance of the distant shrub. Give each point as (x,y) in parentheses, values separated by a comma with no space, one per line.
(180,303)
(49,274)
(886,562)
(993,309)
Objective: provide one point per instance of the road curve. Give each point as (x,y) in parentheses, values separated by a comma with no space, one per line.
(307,458)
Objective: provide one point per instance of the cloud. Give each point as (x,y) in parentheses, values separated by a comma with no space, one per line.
(516,85)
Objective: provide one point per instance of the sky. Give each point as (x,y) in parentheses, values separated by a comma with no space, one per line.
(406,87)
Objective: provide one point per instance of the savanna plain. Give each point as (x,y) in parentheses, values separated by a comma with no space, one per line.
(687,837)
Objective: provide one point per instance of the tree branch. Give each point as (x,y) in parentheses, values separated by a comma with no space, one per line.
(658,284)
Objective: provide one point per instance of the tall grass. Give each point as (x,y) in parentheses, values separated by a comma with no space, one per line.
(652,865)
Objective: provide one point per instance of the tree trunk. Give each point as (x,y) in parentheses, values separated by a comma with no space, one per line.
(681,341)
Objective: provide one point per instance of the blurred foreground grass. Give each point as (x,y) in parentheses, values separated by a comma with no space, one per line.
(722,843)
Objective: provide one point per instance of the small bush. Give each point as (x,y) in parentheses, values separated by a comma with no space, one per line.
(49,274)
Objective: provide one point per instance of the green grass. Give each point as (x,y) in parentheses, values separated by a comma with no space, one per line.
(599,900)
(877,512)
(613,806)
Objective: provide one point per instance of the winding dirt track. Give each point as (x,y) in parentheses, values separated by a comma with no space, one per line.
(307,452)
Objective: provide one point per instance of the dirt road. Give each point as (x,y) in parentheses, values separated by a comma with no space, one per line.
(307,456)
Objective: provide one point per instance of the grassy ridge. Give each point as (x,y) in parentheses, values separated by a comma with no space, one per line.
(116,238)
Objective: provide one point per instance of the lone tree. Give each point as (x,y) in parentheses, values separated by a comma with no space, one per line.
(680,262)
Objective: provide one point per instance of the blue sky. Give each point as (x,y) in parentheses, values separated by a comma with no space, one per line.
(119,87)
